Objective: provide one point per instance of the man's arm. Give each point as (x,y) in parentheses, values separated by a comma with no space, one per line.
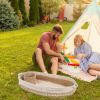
(49,51)
(59,47)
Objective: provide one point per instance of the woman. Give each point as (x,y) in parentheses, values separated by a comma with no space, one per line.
(89,60)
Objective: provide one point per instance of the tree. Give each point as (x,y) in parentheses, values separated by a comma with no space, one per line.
(51,6)
(8,18)
(40,11)
(14,4)
(68,1)
(79,6)
(34,11)
(23,11)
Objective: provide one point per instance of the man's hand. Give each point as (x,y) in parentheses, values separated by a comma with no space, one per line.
(61,57)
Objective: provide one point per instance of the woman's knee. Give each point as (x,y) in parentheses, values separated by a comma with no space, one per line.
(95,66)
(92,72)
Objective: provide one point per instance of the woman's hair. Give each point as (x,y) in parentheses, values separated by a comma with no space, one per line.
(78,37)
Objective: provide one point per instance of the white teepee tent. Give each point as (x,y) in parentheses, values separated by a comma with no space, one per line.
(91,34)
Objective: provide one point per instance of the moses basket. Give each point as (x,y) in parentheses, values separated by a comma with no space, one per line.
(47,84)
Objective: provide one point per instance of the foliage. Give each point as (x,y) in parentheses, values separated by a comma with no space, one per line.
(50,6)
(34,11)
(8,18)
(23,11)
(40,11)
(14,4)
(20,17)
(78,8)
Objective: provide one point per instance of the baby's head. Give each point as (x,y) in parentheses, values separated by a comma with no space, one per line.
(78,40)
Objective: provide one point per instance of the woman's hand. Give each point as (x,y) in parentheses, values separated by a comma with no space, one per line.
(81,56)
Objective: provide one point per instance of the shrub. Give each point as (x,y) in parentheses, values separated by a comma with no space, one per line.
(14,4)
(8,18)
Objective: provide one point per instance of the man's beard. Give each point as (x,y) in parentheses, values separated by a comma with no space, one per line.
(54,38)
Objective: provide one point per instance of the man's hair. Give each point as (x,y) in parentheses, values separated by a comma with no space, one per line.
(58,28)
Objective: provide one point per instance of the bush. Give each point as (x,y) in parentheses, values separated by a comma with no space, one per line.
(20,18)
(14,4)
(8,19)
(31,23)
(54,21)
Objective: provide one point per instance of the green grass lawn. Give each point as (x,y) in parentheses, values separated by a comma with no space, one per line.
(16,49)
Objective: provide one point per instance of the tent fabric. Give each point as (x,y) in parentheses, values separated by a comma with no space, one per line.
(92,34)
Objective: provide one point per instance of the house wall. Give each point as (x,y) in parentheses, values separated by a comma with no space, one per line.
(68,12)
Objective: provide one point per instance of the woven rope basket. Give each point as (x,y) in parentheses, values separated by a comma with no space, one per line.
(47,84)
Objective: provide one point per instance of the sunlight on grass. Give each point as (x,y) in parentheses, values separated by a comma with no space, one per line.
(16,49)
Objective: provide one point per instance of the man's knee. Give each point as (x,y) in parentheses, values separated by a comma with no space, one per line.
(34,59)
(54,60)
(38,50)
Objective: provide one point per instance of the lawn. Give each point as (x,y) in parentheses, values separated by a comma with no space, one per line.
(16,49)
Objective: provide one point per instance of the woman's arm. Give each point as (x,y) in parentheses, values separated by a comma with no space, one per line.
(81,56)
(87,50)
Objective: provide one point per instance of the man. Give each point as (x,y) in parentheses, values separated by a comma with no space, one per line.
(49,45)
